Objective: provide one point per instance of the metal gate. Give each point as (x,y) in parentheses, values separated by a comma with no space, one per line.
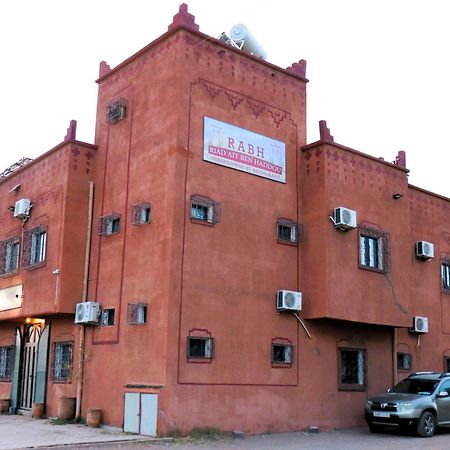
(31,338)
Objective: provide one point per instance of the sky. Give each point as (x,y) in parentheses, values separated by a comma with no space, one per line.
(379,71)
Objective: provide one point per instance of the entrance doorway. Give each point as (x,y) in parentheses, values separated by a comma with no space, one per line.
(32,334)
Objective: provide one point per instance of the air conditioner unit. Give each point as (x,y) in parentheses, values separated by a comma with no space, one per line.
(87,313)
(344,219)
(289,301)
(424,250)
(22,208)
(420,324)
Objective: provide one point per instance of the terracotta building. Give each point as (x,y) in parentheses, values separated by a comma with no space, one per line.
(194,222)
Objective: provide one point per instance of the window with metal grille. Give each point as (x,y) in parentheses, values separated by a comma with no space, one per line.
(200,347)
(108,316)
(6,353)
(352,369)
(34,246)
(62,362)
(9,256)
(205,210)
(289,231)
(445,275)
(141,213)
(116,111)
(137,313)
(374,250)
(404,361)
(282,353)
(109,224)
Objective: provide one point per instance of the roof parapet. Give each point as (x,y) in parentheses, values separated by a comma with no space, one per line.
(183,19)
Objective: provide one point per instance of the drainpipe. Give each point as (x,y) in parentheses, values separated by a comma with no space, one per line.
(87,257)
(394,356)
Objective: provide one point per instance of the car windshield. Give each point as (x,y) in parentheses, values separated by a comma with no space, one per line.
(415,386)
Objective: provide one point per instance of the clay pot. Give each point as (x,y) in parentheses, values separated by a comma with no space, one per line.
(66,408)
(37,410)
(94,417)
(4,405)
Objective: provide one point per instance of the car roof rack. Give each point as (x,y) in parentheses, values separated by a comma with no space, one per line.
(444,375)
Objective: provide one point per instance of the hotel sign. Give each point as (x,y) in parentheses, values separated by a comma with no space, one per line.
(244,150)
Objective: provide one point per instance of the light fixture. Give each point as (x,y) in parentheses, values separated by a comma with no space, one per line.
(397,196)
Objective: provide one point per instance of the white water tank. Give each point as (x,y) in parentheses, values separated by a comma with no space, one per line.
(241,36)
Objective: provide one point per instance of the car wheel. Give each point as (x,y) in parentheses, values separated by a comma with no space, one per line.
(427,424)
(375,428)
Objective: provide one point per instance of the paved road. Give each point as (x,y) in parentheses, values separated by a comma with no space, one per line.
(352,439)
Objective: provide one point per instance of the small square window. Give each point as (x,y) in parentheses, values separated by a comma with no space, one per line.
(141,213)
(62,362)
(137,313)
(374,250)
(116,111)
(289,231)
(404,361)
(205,210)
(352,369)
(200,347)
(282,353)
(445,275)
(107,318)
(6,363)
(109,224)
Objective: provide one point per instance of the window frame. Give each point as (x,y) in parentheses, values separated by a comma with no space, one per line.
(403,356)
(205,357)
(109,225)
(445,276)
(34,247)
(343,386)
(67,378)
(117,111)
(111,317)
(133,313)
(379,254)
(286,346)
(137,212)
(447,363)
(295,231)
(9,265)
(213,210)
(7,376)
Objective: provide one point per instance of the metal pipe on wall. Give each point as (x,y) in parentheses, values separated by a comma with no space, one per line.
(87,257)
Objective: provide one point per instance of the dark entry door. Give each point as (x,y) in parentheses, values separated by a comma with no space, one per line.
(31,339)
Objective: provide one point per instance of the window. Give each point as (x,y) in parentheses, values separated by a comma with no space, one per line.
(445,275)
(289,231)
(137,313)
(62,362)
(200,347)
(282,353)
(5,363)
(109,224)
(373,250)
(108,317)
(34,246)
(404,361)
(205,210)
(9,256)
(141,213)
(352,369)
(447,364)
(116,111)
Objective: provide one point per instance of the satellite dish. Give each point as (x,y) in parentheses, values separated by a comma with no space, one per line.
(244,40)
